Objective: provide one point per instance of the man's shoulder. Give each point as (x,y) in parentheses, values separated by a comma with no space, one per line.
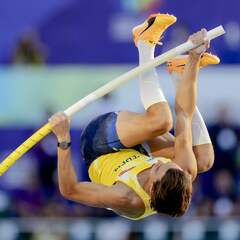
(128,200)
(127,196)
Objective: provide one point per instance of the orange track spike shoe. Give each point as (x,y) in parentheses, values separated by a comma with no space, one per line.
(178,64)
(152,29)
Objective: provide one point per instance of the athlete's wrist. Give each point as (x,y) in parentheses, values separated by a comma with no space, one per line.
(64,145)
(194,57)
(64,138)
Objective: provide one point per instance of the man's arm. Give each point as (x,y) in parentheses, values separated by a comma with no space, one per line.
(91,194)
(185,103)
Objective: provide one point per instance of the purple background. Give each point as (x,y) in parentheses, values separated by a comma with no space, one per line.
(77,31)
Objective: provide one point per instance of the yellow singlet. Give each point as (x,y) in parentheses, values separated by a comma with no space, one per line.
(124,166)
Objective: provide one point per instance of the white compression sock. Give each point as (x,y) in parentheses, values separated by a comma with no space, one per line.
(200,133)
(150,90)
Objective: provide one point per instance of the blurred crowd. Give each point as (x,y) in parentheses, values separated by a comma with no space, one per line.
(30,188)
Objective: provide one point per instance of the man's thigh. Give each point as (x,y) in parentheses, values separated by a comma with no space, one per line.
(100,137)
(136,128)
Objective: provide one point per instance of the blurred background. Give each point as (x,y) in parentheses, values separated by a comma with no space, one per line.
(53,53)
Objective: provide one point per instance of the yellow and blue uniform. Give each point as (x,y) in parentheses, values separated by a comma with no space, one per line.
(124,166)
(109,161)
(100,137)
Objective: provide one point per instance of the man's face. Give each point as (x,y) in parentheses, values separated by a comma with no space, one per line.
(159,169)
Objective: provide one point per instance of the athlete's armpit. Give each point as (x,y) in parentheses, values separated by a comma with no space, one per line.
(162,146)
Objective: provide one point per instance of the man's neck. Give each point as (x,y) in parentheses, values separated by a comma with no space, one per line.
(144,180)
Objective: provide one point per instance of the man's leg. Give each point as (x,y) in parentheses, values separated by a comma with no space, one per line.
(202,145)
(135,128)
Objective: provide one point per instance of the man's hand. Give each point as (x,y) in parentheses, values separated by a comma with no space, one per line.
(60,126)
(199,38)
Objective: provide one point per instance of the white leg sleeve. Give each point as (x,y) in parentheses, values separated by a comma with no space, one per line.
(150,90)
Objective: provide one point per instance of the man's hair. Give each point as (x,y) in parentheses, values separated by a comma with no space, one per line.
(172,194)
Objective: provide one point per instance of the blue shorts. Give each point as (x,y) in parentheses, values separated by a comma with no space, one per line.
(100,137)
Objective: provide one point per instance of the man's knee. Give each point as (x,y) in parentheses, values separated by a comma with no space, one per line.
(205,163)
(160,122)
(205,157)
